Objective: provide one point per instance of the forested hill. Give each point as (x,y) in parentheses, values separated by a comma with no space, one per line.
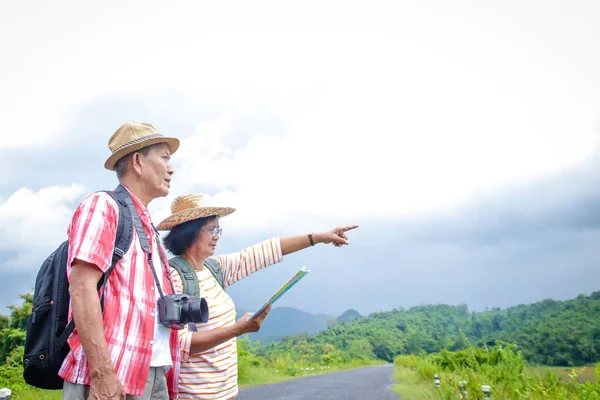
(548,332)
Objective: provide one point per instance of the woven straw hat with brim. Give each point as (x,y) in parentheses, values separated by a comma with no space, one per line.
(192,206)
(134,136)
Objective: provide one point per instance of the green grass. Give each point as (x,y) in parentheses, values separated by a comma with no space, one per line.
(584,374)
(411,386)
(500,367)
(37,394)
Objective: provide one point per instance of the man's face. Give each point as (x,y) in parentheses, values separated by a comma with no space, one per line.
(156,171)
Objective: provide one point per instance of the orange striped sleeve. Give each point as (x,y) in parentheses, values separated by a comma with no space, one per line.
(237,266)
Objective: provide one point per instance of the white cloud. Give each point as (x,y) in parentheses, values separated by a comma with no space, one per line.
(348,158)
(390,109)
(34,223)
(308,115)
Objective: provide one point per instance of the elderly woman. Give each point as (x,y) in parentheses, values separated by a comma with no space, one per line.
(209,353)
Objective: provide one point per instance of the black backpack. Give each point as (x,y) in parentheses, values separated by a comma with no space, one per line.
(47,332)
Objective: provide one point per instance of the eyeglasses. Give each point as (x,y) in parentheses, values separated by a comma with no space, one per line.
(213,231)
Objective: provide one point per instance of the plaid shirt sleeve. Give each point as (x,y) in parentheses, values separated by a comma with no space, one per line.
(93,231)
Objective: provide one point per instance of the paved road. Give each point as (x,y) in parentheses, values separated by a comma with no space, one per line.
(371,383)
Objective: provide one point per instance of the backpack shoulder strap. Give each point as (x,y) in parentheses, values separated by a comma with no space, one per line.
(215,268)
(189,279)
(124,230)
(123,241)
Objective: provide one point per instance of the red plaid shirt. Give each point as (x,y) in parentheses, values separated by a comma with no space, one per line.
(130,298)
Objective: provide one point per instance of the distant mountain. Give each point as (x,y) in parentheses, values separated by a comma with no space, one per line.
(288,321)
(349,315)
(550,332)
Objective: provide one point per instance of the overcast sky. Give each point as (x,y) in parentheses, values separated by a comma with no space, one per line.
(462,136)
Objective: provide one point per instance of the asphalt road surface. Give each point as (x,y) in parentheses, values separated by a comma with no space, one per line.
(370,383)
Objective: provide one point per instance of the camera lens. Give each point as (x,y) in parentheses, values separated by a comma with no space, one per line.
(194,310)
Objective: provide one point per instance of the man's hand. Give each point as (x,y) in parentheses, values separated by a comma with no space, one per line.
(254,324)
(107,386)
(337,236)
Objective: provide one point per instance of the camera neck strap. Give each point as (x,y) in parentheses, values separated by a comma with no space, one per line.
(137,223)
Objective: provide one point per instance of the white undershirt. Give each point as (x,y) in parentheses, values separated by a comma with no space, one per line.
(161,348)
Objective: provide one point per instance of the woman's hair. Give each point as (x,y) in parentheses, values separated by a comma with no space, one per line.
(182,236)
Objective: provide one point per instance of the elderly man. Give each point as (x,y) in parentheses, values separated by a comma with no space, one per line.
(121,351)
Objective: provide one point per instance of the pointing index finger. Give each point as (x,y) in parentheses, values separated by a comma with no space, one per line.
(348,228)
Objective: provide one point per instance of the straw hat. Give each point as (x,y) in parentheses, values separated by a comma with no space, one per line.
(192,206)
(133,136)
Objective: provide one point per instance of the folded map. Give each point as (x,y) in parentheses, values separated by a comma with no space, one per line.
(291,282)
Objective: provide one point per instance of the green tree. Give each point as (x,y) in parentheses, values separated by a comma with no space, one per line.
(12,334)
(19,315)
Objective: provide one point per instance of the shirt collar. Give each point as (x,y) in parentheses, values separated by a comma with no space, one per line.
(139,207)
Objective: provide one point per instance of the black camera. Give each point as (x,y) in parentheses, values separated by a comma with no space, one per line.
(175,311)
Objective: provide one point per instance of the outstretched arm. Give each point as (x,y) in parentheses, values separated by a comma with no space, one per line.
(237,266)
(336,236)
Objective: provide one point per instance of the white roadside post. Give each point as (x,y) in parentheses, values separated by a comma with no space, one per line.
(436,380)
(5,394)
(486,389)
(463,389)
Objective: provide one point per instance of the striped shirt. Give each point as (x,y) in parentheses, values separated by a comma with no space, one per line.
(213,374)
(130,300)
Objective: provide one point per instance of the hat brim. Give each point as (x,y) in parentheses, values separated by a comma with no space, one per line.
(191,214)
(172,144)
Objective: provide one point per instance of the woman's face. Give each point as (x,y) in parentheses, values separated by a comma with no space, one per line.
(208,238)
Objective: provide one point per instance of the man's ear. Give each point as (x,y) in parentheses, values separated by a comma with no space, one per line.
(136,163)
